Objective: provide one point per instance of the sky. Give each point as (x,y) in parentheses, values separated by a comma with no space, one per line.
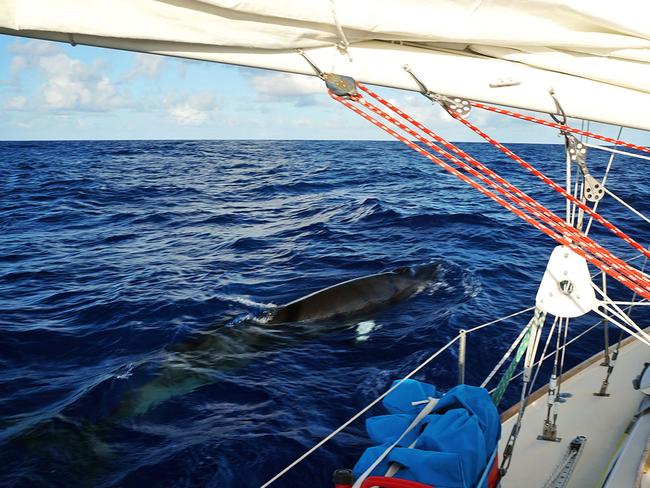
(54,91)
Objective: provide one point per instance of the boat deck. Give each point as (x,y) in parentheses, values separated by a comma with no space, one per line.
(602,420)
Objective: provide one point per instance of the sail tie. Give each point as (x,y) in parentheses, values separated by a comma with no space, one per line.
(343,45)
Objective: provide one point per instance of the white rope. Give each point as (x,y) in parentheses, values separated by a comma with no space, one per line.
(616,151)
(479,327)
(343,44)
(568,185)
(614,309)
(505,356)
(627,205)
(644,338)
(602,183)
(544,358)
(539,363)
(360,412)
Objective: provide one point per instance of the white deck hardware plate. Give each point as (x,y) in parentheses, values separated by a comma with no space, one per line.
(565,290)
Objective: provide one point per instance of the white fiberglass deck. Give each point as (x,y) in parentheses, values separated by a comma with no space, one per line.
(602,420)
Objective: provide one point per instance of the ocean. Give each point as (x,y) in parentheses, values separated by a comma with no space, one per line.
(132,270)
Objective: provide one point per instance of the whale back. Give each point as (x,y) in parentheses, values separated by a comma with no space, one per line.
(355,296)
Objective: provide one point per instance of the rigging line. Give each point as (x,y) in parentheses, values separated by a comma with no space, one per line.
(584,332)
(606,325)
(507,354)
(602,183)
(539,363)
(463,154)
(616,151)
(615,309)
(498,183)
(479,327)
(575,193)
(569,169)
(360,413)
(557,348)
(608,225)
(629,308)
(577,214)
(564,128)
(613,264)
(566,336)
(615,314)
(343,44)
(544,358)
(613,320)
(536,326)
(631,272)
(581,213)
(626,205)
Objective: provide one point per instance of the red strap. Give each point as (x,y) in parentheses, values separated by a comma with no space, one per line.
(385,482)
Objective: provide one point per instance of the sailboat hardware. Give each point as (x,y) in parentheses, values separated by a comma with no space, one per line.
(561,127)
(339,85)
(562,474)
(594,191)
(455,105)
(565,290)
(502,191)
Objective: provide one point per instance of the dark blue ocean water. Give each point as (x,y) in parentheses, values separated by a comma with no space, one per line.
(130,264)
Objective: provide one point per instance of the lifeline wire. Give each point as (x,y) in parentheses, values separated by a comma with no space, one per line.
(383,395)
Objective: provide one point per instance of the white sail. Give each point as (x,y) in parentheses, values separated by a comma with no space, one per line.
(595,55)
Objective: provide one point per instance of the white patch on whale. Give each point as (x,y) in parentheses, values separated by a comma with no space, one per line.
(364,329)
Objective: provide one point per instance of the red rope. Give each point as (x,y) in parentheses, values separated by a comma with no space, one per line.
(551,224)
(561,127)
(520,198)
(554,186)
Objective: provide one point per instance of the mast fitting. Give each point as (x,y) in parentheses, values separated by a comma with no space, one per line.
(455,105)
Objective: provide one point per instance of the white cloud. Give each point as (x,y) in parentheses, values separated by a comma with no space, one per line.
(18,64)
(34,48)
(74,85)
(146,66)
(69,84)
(194,109)
(283,87)
(15,103)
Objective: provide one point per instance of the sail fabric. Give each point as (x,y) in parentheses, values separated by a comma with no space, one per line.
(591,49)
(289,24)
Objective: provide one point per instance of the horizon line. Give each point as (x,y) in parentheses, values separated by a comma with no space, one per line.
(258,139)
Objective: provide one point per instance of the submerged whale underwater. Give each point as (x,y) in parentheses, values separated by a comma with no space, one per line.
(189,364)
(197,362)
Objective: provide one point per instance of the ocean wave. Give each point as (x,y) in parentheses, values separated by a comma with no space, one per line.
(145,269)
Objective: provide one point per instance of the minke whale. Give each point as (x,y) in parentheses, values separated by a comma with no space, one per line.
(356,296)
(201,360)
(189,365)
